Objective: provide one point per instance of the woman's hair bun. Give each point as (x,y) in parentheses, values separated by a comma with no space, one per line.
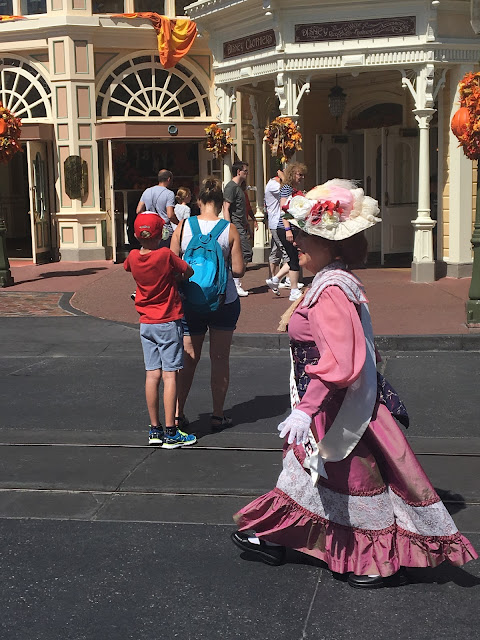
(211,191)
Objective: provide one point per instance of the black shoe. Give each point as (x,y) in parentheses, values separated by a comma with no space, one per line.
(218,423)
(398,579)
(270,555)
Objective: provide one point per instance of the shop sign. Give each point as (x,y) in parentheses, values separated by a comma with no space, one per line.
(255,42)
(356,29)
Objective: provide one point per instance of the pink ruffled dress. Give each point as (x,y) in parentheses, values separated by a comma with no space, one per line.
(377,511)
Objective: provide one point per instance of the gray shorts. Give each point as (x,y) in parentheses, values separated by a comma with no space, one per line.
(277,253)
(162,345)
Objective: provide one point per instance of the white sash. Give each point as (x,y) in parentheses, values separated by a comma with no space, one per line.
(357,407)
(353,416)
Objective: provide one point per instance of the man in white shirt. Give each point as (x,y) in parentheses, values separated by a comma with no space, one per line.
(160,199)
(272,205)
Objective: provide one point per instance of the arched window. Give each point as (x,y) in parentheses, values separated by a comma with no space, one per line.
(141,87)
(386,114)
(24,90)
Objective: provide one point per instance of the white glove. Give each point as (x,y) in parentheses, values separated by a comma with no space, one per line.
(296,425)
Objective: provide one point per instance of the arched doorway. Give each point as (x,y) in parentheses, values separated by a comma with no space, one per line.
(25,188)
(154,119)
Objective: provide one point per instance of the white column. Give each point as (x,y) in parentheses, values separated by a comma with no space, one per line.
(225,98)
(459,259)
(423,266)
(260,243)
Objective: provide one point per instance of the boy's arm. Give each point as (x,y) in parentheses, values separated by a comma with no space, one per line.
(126,265)
(181,268)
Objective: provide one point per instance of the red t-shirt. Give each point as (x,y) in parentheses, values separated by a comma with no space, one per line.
(157,299)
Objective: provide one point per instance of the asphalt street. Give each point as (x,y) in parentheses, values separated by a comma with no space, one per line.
(106,538)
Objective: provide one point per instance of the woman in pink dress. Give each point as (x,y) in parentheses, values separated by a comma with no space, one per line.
(351,492)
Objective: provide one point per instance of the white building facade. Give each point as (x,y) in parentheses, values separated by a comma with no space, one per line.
(398,65)
(100,117)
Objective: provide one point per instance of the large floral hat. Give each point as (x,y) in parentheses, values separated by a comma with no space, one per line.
(335,210)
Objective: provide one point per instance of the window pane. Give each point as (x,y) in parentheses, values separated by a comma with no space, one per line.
(180,6)
(35,6)
(107,6)
(157,6)
(6,7)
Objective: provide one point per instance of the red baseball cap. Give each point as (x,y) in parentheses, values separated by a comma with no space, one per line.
(150,222)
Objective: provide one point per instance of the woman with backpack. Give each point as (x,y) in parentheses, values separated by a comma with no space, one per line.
(211,299)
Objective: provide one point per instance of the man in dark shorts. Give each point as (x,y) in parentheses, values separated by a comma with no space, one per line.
(235,211)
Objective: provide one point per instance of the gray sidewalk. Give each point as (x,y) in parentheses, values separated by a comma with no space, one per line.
(105,538)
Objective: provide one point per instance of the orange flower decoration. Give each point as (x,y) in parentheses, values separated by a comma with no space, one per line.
(9,134)
(466,122)
(284,138)
(219,142)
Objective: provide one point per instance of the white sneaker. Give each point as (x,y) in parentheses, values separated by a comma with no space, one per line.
(241,292)
(272,284)
(294,295)
(287,284)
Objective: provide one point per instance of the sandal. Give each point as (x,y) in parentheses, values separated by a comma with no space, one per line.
(181,422)
(219,423)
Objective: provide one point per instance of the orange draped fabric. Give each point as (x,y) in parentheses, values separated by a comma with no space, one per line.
(175,36)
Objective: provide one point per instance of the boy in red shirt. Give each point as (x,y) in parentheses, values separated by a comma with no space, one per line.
(158,302)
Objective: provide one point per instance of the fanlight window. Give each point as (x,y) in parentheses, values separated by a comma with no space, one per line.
(23,90)
(141,87)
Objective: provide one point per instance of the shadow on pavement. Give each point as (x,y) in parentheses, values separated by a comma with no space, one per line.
(453,501)
(249,412)
(63,274)
(443,574)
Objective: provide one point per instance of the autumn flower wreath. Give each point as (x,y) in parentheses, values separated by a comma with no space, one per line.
(466,121)
(9,134)
(284,138)
(219,142)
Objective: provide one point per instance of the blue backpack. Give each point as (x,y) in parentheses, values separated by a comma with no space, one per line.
(205,290)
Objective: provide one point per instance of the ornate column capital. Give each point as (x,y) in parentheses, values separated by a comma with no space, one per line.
(423,117)
(225,97)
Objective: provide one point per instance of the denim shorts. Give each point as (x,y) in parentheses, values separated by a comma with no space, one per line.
(224,319)
(162,345)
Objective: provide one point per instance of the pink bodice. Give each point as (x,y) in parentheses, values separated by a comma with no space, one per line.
(334,325)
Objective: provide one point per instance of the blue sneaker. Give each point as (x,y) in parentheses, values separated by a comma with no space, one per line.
(156,436)
(180,439)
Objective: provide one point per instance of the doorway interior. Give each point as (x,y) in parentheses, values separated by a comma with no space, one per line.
(15,206)
(135,166)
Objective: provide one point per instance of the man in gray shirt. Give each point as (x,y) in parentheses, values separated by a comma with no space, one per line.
(235,211)
(160,199)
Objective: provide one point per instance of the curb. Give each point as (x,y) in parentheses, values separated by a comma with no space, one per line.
(280,342)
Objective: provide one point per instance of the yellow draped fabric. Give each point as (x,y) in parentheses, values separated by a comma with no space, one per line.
(175,36)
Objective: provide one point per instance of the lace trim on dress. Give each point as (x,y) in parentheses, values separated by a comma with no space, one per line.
(361,512)
(373,513)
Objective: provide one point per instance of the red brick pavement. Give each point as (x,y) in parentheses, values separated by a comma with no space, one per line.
(398,306)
